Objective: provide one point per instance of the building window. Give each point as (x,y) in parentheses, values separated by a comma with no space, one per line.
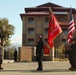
(64,41)
(30,41)
(65,31)
(62,18)
(61,13)
(46,30)
(30,20)
(46,41)
(31,30)
(46,20)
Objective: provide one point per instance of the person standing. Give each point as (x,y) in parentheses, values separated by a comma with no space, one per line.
(15,55)
(72,55)
(39,52)
(0,56)
(66,51)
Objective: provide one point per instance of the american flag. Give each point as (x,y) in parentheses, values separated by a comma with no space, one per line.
(71,28)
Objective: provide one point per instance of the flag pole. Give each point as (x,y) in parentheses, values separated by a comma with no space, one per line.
(64,37)
(51,49)
(50,10)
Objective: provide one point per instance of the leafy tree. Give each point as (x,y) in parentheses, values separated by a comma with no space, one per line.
(6,31)
(61,48)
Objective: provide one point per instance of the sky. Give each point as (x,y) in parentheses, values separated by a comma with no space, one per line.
(11,9)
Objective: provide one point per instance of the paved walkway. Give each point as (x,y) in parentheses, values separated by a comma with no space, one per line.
(29,68)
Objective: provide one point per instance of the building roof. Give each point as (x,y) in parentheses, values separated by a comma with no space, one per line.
(33,13)
(37,13)
(44,9)
(49,4)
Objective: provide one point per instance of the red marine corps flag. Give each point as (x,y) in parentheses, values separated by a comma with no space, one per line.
(53,29)
(71,28)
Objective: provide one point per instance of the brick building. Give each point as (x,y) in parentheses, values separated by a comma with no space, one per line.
(35,22)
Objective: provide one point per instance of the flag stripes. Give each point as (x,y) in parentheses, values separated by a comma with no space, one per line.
(71,27)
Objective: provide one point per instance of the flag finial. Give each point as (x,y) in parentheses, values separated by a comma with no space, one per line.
(50,9)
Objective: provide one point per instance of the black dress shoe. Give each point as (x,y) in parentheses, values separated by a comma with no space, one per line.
(39,69)
(1,68)
(72,69)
